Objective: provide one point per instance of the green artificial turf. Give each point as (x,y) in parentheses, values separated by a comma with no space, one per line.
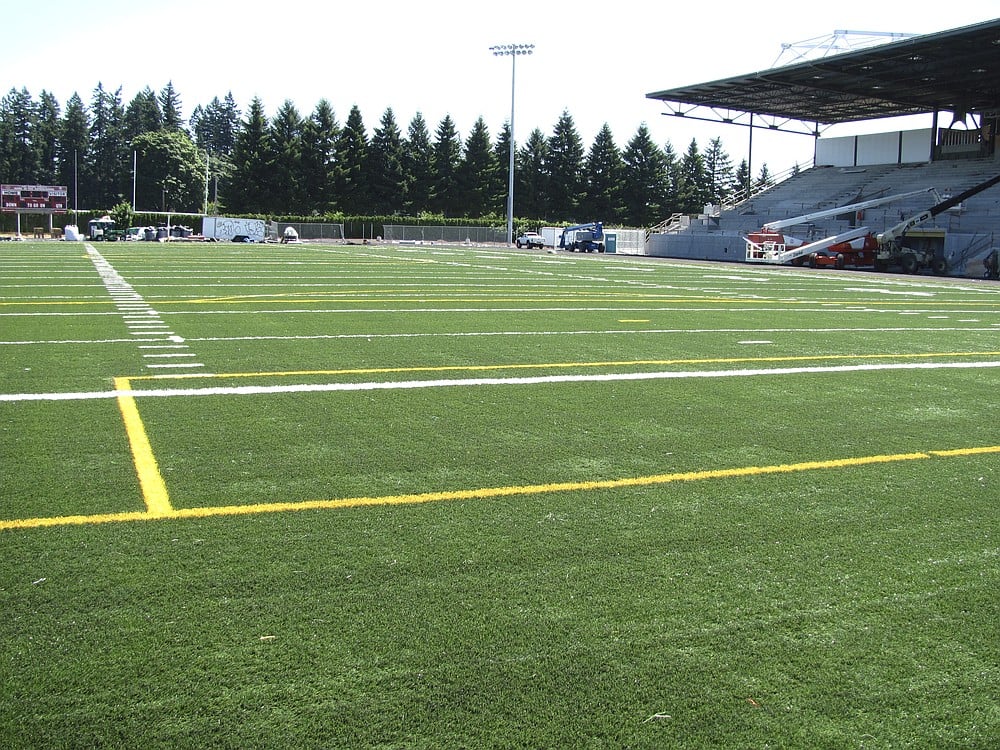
(733,595)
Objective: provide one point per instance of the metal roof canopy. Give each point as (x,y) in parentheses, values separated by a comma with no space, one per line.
(956,71)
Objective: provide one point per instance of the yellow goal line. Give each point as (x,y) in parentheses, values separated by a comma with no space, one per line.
(165,511)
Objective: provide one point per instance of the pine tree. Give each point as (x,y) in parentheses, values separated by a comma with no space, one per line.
(646,180)
(764,179)
(742,179)
(352,153)
(142,115)
(319,158)
(446,195)
(602,198)
(693,186)
(284,155)
(45,137)
(477,171)
(170,105)
(531,193)
(247,192)
(500,182)
(719,168)
(74,143)
(214,126)
(671,190)
(565,169)
(108,168)
(19,161)
(418,166)
(385,167)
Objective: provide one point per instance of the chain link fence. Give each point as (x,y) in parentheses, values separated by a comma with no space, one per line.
(306,230)
(450,235)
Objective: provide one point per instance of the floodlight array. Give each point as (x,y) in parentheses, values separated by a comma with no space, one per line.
(512,49)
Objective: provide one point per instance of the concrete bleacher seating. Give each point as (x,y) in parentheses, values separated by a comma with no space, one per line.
(971,229)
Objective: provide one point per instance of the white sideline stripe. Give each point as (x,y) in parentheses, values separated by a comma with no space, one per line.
(473,334)
(252,390)
(769,306)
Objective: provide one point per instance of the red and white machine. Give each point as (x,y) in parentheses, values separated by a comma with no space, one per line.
(855,247)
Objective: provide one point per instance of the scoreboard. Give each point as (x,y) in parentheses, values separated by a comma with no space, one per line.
(43,199)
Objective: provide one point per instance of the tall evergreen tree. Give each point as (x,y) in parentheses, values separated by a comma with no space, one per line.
(170,105)
(742,178)
(531,185)
(671,189)
(385,167)
(247,189)
(693,187)
(477,171)
(108,165)
(214,129)
(418,166)
(565,170)
(603,192)
(646,180)
(47,131)
(74,145)
(319,158)
(446,194)
(764,179)
(19,162)
(284,155)
(352,154)
(497,190)
(142,115)
(214,126)
(719,168)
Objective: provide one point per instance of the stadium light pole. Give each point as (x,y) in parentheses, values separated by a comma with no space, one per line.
(513,50)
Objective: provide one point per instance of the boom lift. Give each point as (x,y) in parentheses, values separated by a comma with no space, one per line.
(854,247)
(858,247)
(892,252)
(583,237)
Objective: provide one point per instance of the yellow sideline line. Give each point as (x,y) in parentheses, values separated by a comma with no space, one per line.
(154,489)
(166,511)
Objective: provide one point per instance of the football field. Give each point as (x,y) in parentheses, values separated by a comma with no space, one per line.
(432,496)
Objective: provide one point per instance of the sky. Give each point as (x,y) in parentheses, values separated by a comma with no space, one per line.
(595,60)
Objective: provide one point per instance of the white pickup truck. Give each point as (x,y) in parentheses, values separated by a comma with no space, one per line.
(530,240)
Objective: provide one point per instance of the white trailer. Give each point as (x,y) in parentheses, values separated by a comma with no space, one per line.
(550,235)
(232,229)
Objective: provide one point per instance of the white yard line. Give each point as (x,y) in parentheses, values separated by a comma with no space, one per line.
(251,390)
(473,334)
(137,314)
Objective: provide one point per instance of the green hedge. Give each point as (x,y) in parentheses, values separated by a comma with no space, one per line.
(354,226)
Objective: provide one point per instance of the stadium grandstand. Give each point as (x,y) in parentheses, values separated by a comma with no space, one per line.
(952,76)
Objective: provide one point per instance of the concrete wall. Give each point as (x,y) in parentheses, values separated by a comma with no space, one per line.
(715,246)
(896,147)
(629,241)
